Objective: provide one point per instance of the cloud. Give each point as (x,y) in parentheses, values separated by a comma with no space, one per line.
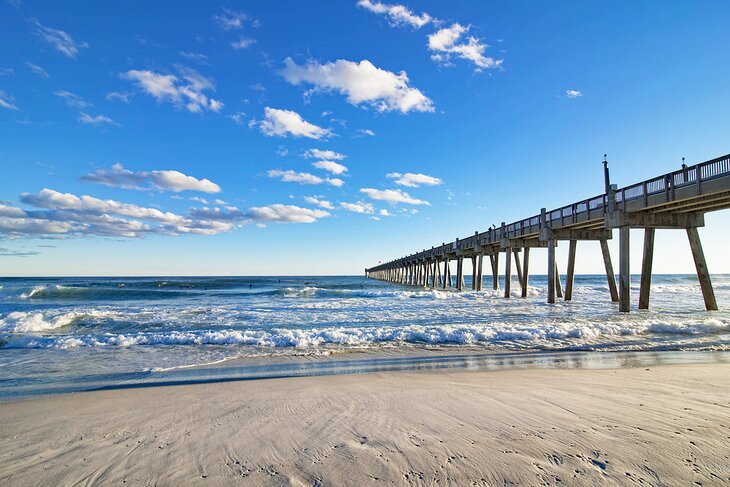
(238,117)
(187,92)
(119,96)
(87,119)
(282,122)
(230,19)
(324,154)
(313,200)
(573,93)
(447,42)
(4,252)
(361,83)
(397,14)
(330,166)
(414,180)
(359,207)
(196,57)
(34,68)
(72,100)
(285,214)
(6,101)
(59,39)
(392,196)
(243,43)
(363,132)
(385,212)
(290,176)
(120,177)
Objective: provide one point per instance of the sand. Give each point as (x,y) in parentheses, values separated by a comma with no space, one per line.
(668,425)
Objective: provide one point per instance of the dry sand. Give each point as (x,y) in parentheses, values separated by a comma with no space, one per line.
(668,425)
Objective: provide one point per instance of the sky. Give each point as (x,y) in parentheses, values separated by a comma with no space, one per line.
(320,138)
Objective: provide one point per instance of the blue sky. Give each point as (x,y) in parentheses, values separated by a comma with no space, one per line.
(284,137)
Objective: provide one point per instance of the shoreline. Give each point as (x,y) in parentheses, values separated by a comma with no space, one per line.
(660,424)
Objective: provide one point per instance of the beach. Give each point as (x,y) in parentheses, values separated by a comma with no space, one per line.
(657,425)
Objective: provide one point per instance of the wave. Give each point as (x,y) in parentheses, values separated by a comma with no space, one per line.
(30,322)
(461,334)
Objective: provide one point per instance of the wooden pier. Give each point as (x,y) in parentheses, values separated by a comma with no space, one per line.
(677,200)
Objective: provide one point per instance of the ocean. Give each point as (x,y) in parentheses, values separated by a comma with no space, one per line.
(70,334)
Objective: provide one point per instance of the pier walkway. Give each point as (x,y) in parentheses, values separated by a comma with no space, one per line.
(677,200)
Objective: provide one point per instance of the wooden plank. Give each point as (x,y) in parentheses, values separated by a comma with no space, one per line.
(646,268)
(703,275)
(610,275)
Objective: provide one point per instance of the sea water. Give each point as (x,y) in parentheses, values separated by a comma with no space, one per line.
(70,334)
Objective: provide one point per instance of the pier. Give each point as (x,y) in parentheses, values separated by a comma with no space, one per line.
(677,200)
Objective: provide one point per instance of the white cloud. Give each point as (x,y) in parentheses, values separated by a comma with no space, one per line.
(238,117)
(187,92)
(364,132)
(290,176)
(197,57)
(7,102)
(119,96)
(5,252)
(243,43)
(72,100)
(285,214)
(359,207)
(230,19)
(87,119)
(34,68)
(385,212)
(120,177)
(282,122)
(324,154)
(447,42)
(60,40)
(414,180)
(361,83)
(573,93)
(330,166)
(392,196)
(397,14)
(313,200)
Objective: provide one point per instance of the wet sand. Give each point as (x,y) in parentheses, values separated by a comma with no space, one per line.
(658,425)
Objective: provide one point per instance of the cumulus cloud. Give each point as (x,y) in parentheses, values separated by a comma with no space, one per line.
(314,200)
(359,207)
(243,43)
(285,214)
(187,91)
(72,100)
(87,119)
(330,166)
(362,83)
(60,40)
(120,177)
(573,93)
(290,176)
(6,101)
(392,196)
(448,42)
(397,14)
(414,180)
(281,123)
(35,69)
(329,155)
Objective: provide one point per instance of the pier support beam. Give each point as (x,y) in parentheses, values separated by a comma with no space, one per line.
(551,271)
(494,259)
(610,275)
(558,285)
(460,273)
(447,273)
(474,273)
(507,272)
(624,271)
(518,266)
(525,270)
(703,275)
(646,268)
(571,271)
(479,271)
